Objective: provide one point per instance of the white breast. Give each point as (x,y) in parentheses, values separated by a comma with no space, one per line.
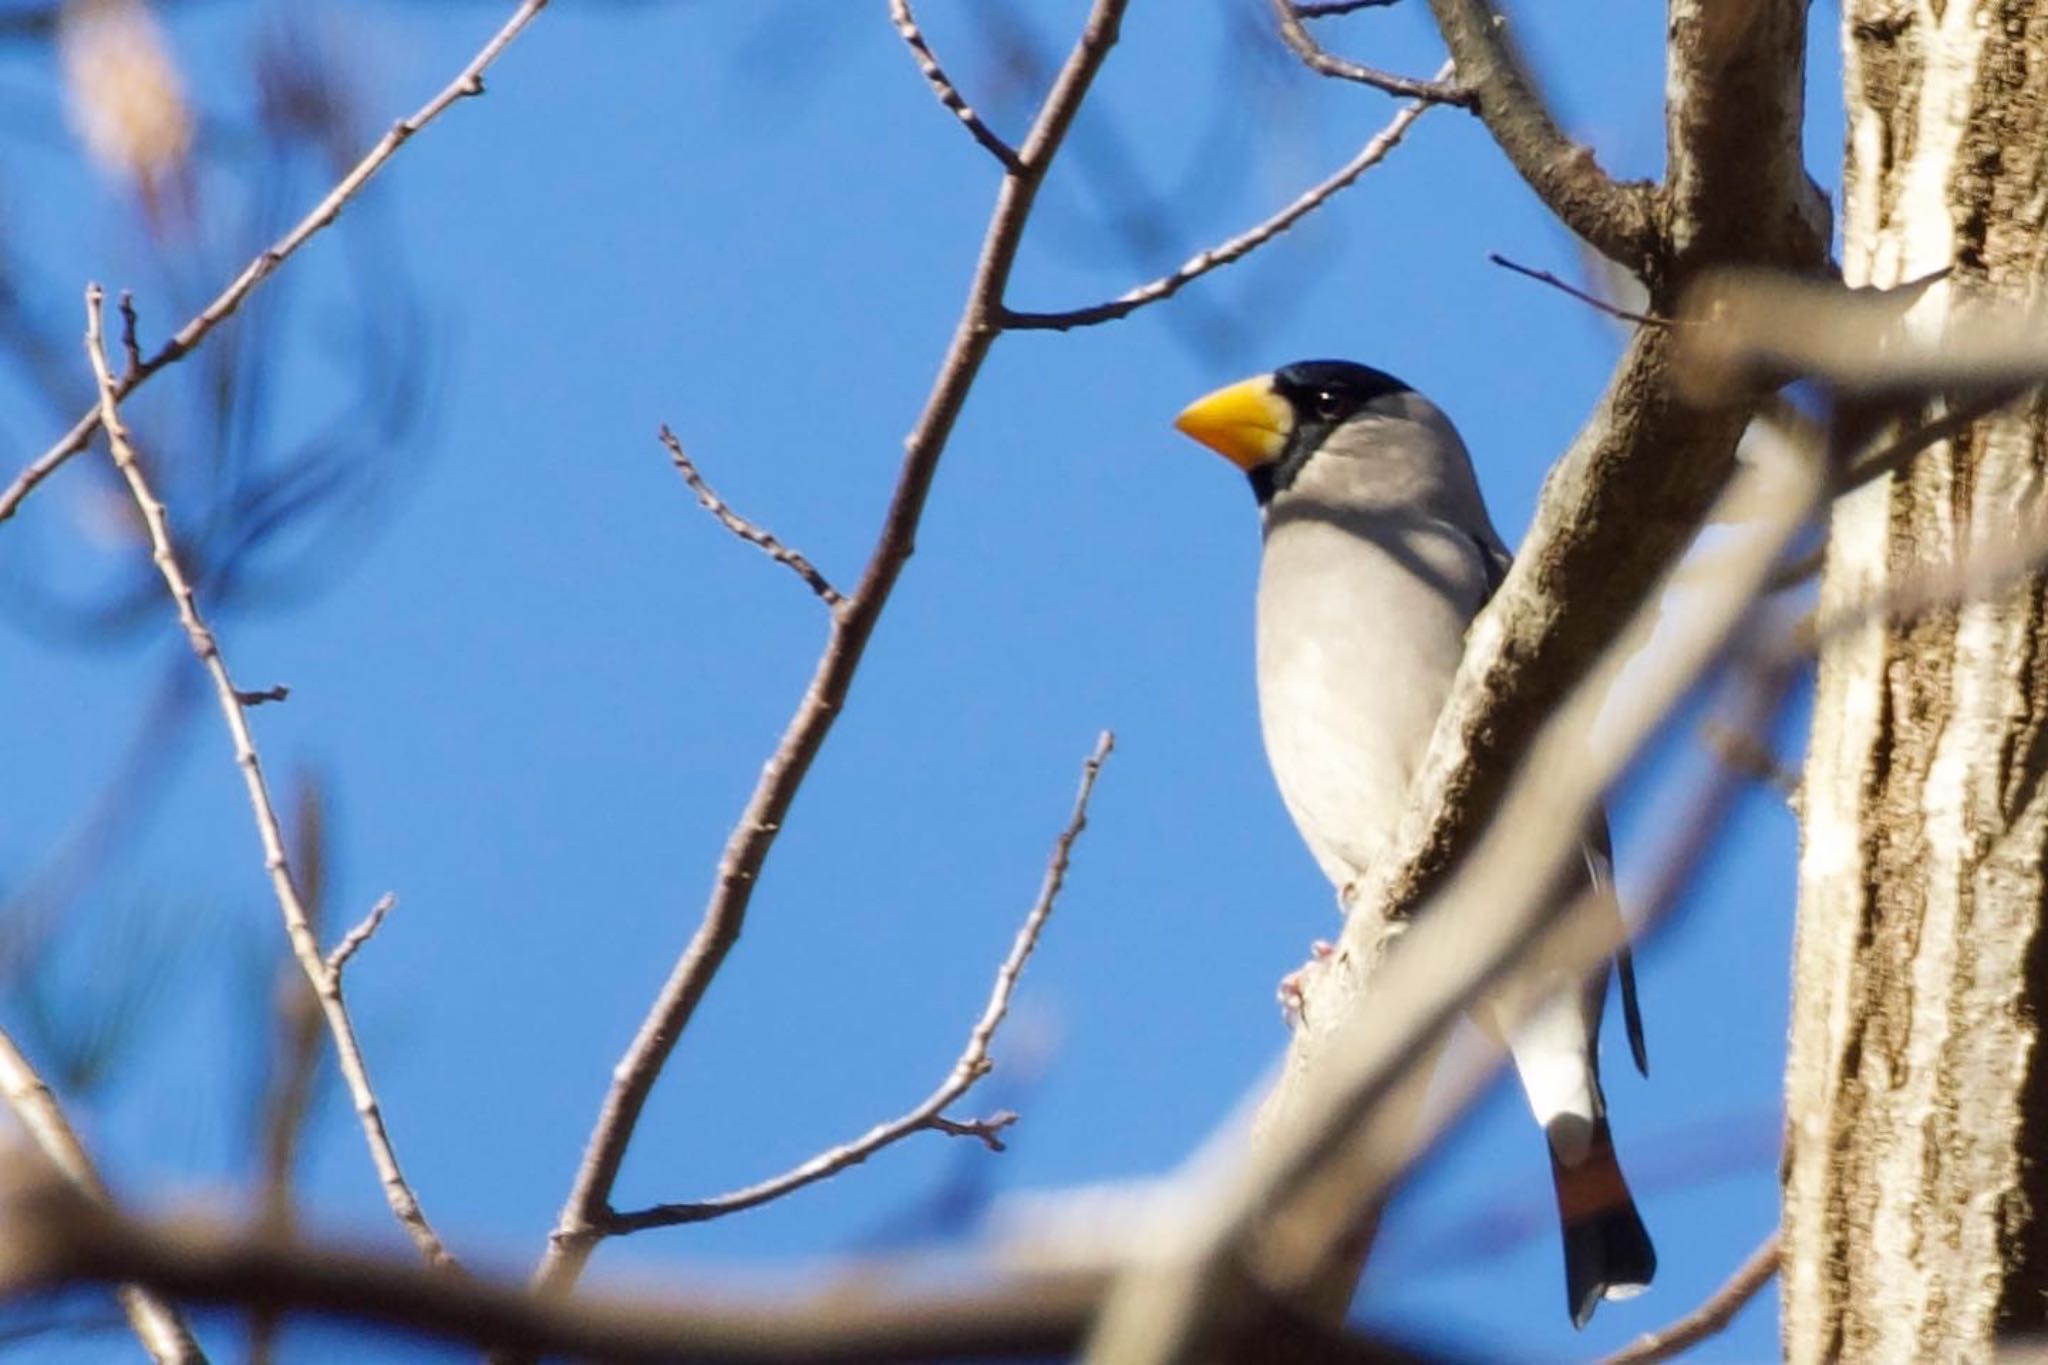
(1360,630)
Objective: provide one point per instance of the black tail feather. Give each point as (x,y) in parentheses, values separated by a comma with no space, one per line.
(1607,1251)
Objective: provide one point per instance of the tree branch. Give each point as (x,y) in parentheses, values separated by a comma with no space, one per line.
(1710,1318)
(1324,9)
(156,1324)
(746,530)
(298,925)
(1620,221)
(972,1065)
(948,93)
(352,942)
(50,1238)
(1570,290)
(582,1220)
(470,81)
(1238,247)
(1735,182)
(1297,37)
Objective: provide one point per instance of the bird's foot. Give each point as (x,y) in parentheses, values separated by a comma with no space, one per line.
(1291,991)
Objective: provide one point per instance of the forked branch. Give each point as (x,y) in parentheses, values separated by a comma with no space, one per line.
(973,1064)
(324,979)
(587,1211)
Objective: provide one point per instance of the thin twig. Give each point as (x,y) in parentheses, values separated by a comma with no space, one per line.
(298,925)
(262,696)
(292,1083)
(1238,247)
(131,347)
(155,1323)
(1590,300)
(470,81)
(581,1223)
(973,1064)
(1324,9)
(1711,1317)
(1297,37)
(353,941)
(746,530)
(942,85)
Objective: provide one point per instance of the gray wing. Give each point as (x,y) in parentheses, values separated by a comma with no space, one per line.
(1597,849)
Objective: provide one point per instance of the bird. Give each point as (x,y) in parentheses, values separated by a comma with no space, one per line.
(1378,553)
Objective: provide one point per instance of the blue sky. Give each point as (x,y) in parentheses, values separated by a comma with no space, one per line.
(540,690)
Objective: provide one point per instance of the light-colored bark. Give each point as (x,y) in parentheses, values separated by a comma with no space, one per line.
(1916,1120)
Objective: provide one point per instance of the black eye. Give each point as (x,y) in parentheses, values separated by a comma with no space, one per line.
(1327,403)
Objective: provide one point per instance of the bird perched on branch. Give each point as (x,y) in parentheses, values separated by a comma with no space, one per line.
(1378,554)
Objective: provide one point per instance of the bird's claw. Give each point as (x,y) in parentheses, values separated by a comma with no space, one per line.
(1291,990)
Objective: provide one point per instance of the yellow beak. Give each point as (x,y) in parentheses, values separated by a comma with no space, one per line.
(1247,423)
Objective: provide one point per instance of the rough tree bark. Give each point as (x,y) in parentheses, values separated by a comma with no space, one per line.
(1915,1190)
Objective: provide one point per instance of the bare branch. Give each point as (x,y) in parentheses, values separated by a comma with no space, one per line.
(1590,300)
(353,941)
(581,1223)
(470,81)
(1238,247)
(1297,37)
(1735,181)
(262,695)
(942,86)
(156,1324)
(1710,1318)
(1324,9)
(746,530)
(131,347)
(1619,220)
(276,862)
(973,1064)
(50,1238)
(1771,326)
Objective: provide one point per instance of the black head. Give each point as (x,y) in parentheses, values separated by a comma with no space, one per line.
(1271,425)
(1324,395)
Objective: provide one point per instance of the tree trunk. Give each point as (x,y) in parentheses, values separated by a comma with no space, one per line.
(1914,1182)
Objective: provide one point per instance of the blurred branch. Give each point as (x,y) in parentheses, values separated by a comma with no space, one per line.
(156,1324)
(1772,327)
(1619,220)
(1710,1318)
(1238,247)
(973,1064)
(942,86)
(581,1223)
(746,530)
(1483,923)
(469,82)
(1297,37)
(51,1237)
(326,983)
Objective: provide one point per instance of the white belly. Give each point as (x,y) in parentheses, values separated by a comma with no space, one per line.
(1359,638)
